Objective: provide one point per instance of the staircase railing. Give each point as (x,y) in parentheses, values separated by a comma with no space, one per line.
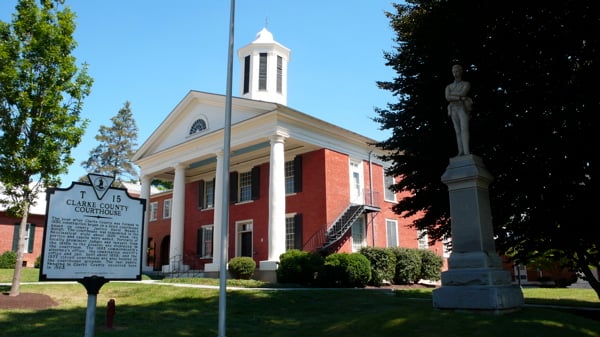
(326,237)
(342,225)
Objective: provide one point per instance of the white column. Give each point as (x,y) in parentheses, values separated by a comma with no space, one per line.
(215,265)
(145,194)
(276,203)
(177,217)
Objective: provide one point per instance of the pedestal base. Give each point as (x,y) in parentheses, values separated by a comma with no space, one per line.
(268,265)
(496,299)
(475,279)
(212,267)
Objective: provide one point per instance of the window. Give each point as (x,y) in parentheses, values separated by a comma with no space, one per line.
(289,233)
(206,194)
(293,232)
(209,193)
(389,194)
(289,177)
(153,211)
(205,241)
(391,227)
(197,126)
(29,237)
(293,175)
(358,234)
(423,239)
(447,244)
(246,74)
(167,209)
(262,71)
(279,74)
(245,186)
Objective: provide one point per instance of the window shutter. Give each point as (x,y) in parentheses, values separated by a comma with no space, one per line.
(246,74)
(201,204)
(233,187)
(298,231)
(31,238)
(255,182)
(15,243)
(199,242)
(262,71)
(214,182)
(298,174)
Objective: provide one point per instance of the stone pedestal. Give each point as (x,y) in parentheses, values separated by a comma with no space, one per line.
(475,279)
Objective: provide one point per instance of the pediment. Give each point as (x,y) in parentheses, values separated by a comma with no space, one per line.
(199,114)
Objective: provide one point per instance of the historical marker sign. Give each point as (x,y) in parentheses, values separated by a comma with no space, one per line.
(92,230)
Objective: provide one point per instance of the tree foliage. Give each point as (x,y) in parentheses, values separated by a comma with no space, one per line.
(117,145)
(41,97)
(533,69)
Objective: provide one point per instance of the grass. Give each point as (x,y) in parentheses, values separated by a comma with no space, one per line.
(162,310)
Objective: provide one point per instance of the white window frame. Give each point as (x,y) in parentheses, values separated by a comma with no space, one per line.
(359,234)
(206,230)
(391,233)
(153,211)
(290,231)
(209,194)
(290,180)
(167,207)
(446,244)
(387,182)
(245,186)
(423,239)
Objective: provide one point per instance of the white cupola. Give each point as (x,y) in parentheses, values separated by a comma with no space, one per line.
(263,69)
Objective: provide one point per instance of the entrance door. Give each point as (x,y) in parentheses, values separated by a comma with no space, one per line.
(244,239)
(356,183)
(164,250)
(246,244)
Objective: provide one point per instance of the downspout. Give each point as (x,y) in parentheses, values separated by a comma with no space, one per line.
(371,193)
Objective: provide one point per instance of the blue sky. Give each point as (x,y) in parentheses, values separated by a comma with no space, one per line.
(152,53)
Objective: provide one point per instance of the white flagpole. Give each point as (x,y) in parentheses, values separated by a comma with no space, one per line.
(225,187)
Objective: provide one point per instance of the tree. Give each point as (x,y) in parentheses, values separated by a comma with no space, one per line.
(533,70)
(117,143)
(41,97)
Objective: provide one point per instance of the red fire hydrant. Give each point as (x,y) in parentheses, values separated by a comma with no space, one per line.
(110,313)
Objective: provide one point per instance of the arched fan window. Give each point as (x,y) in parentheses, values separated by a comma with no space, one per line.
(198,126)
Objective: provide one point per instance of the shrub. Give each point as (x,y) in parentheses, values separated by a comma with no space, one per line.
(242,267)
(347,270)
(383,264)
(8,259)
(296,266)
(38,262)
(431,265)
(408,265)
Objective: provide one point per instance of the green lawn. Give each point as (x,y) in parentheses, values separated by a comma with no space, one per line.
(164,310)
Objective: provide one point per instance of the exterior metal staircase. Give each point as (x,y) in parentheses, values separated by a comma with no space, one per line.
(329,238)
(341,226)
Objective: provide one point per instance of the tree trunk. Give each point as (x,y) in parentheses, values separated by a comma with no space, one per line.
(589,276)
(15,288)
